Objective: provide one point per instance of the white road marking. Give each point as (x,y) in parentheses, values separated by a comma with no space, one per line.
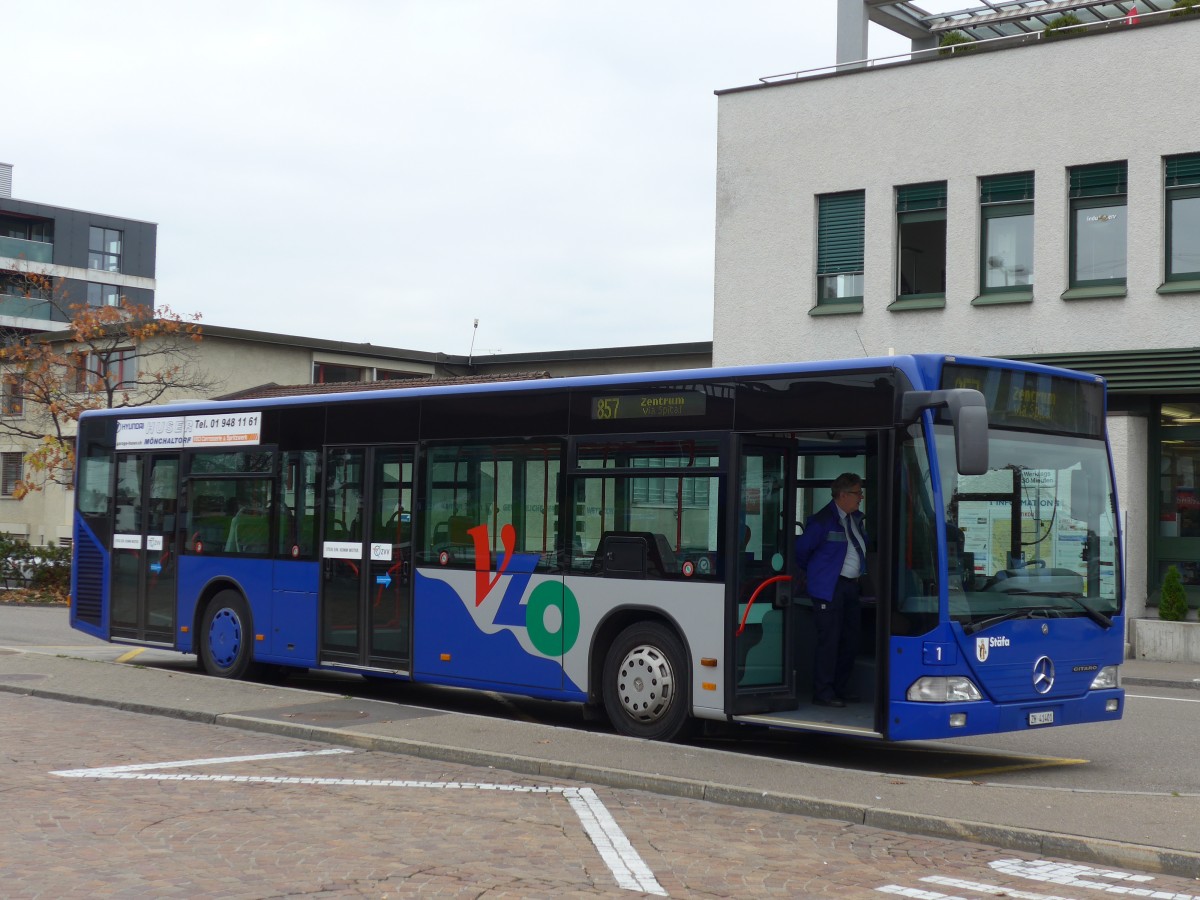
(989,889)
(623,860)
(626,865)
(107,771)
(1072,875)
(1069,875)
(915,893)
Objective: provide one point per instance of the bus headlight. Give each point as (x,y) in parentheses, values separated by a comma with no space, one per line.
(943,689)
(1106,678)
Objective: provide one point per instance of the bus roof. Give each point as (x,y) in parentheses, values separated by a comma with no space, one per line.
(922,369)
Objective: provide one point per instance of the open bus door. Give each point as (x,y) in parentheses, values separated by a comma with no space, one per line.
(144,547)
(759,560)
(366,558)
(781,483)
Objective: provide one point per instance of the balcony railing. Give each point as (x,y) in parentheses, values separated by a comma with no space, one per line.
(33,251)
(24,307)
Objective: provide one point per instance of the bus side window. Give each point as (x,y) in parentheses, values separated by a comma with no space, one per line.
(673,518)
(500,488)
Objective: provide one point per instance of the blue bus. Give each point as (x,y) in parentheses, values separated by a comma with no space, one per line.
(626,541)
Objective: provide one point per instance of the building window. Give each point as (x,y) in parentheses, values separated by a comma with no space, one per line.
(104,249)
(118,368)
(103,294)
(1098,225)
(328,373)
(24,228)
(921,250)
(76,372)
(394,375)
(840,247)
(12,395)
(1006,233)
(1183,218)
(11,470)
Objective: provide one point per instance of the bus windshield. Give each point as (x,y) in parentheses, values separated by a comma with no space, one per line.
(1034,535)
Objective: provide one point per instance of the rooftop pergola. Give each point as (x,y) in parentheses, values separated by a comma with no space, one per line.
(979,20)
(984,19)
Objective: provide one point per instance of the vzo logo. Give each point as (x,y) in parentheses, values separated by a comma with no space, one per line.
(550,614)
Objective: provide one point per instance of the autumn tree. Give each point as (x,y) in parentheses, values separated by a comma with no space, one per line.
(126,355)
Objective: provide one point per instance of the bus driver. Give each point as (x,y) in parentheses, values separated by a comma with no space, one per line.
(833,553)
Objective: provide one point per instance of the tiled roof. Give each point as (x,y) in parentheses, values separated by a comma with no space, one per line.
(264,391)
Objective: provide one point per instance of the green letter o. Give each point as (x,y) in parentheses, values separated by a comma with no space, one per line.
(545,595)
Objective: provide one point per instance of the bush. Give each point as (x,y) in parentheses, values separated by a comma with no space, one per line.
(951,43)
(43,572)
(1058,23)
(1185,8)
(1172,605)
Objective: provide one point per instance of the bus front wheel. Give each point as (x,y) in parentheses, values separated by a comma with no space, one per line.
(226,636)
(646,683)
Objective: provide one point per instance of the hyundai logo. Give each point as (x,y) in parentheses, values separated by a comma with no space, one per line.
(1043,675)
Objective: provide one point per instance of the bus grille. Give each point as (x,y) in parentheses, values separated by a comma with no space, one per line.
(89,579)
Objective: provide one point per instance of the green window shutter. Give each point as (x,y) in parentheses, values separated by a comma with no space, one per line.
(840,233)
(1103,180)
(1183,170)
(921,196)
(1006,188)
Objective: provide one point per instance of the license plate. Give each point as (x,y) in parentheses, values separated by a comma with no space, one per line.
(1042,718)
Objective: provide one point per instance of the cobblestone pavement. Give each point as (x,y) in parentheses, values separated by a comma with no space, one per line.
(94,808)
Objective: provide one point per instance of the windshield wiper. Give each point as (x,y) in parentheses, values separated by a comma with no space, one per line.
(1022,612)
(1094,614)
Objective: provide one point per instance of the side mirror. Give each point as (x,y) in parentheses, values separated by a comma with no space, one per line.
(968,415)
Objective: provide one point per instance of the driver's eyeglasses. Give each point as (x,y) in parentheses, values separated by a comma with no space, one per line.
(857,492)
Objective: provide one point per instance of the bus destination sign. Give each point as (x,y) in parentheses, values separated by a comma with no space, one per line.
(1032,399)
(676,404)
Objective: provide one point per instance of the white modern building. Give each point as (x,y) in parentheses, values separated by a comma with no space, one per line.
(1034,194)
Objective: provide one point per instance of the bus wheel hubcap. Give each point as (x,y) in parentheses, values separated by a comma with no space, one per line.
(225,637)
(645,683)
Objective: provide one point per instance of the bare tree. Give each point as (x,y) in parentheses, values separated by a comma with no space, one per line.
(126,355)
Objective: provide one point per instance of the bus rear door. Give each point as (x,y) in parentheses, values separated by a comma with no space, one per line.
(144,547)
(366,558)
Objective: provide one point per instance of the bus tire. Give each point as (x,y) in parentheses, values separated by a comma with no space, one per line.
(227,636)
(646,683)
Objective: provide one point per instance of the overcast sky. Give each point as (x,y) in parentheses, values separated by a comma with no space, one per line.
(387,172)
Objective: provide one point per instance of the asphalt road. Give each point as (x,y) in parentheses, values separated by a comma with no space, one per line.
(1139,753)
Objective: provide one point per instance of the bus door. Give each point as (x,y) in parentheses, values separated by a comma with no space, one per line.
(759,557)
(144,547)
(366,558)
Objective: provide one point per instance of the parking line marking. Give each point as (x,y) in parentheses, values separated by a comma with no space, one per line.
(132,654)
(627,866)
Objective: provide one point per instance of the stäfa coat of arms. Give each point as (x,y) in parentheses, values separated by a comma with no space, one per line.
(981,649)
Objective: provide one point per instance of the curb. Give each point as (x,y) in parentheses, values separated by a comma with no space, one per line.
(1026,840)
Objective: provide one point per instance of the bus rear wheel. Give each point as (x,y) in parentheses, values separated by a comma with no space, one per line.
(646,683)
(226,636)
